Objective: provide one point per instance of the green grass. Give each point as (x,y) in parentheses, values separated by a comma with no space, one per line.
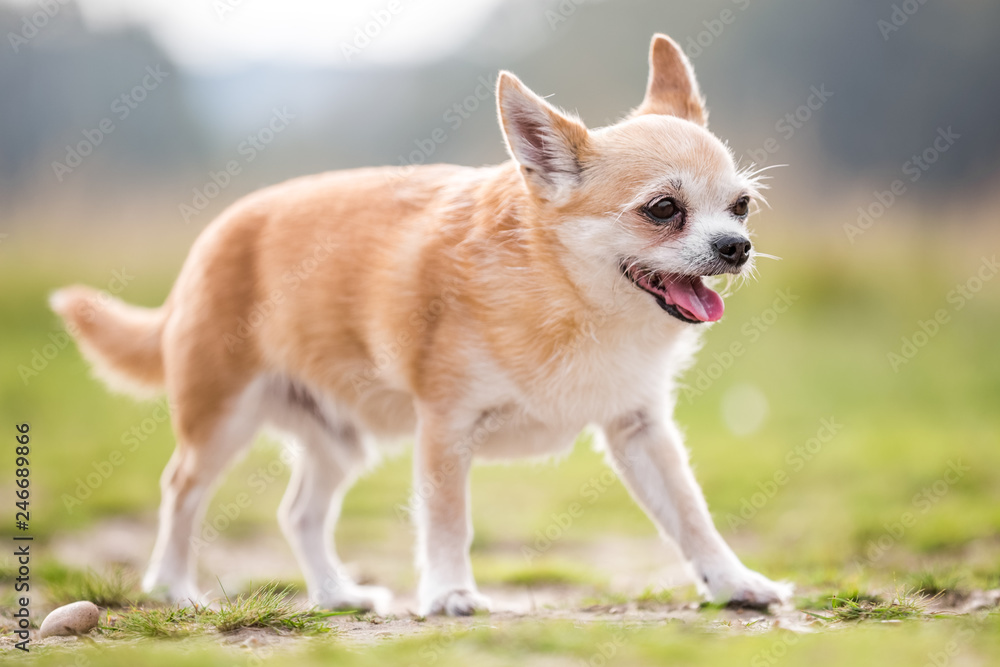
(650,598)
(901,606)
(956,641)
(268,607)
(874,504)
(117,587)
(931,582)
(545,572)
(900,430)
(153,623)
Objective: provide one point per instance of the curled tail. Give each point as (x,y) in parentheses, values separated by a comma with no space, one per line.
(122,342)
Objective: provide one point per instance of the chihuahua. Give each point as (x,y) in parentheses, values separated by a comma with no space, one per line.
(493,312)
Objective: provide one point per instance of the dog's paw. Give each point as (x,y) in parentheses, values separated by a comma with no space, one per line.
(743,587)
(461,602)
(356,598)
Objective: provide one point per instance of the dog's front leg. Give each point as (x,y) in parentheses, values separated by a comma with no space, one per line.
(444,527)
(649,455)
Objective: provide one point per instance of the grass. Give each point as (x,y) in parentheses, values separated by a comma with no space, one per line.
(268,607)
(547,572)
(878,501)
(931,582)
(858,606)
(956,641)
(153,623)
(899,429)
(650,598)
(118,587)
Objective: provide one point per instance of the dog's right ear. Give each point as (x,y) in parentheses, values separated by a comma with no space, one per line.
(672,89)
(545,142)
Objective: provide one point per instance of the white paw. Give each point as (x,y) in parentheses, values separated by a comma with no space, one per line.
(354,597)
(460,602)
(743,587)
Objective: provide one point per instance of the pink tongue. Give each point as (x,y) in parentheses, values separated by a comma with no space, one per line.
(701,302)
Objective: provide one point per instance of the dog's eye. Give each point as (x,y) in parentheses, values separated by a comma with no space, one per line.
(664,209)
(741,207)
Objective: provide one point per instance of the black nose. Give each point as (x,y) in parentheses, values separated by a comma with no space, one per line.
(734,250)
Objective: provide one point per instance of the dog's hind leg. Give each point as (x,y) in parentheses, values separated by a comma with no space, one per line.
(331,453)
(187,482)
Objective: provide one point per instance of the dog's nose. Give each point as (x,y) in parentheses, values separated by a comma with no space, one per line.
(733,250)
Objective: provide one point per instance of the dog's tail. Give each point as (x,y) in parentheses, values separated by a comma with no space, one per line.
(122,342)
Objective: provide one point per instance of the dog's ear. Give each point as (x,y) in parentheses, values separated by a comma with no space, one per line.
(672,89)
(545,142)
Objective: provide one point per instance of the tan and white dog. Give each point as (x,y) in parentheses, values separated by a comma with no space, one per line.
(493,311)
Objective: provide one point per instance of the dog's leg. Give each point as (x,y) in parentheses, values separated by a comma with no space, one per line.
(185,485)
(444,527)
(649,455)
(328,463)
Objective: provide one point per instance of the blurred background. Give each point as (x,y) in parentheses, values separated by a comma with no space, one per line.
(852,438)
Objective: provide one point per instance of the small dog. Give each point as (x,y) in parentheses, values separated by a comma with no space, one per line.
(493,311)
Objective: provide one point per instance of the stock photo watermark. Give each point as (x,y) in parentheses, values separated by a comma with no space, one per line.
(364,34)
(927,329)
(752,330)
(789,124)
(795,460)
(453,117)
(464,451)
(696,45)
(223,8)
(388,352)
(226,513)
(898,17)
(102,470)
(292,279)
(913,169)
(121,108)
(34,23)
(42,356)
(561,522)
(564,10)
(248,149)
(922,502)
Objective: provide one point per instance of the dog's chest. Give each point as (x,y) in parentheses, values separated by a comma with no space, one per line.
(539,412)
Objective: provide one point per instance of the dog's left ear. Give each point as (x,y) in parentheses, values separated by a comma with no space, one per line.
(672,89)
(545,142)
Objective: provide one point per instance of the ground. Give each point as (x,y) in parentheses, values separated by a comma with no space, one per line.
(841,419)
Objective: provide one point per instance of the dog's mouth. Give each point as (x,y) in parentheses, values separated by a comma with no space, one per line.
(685,297)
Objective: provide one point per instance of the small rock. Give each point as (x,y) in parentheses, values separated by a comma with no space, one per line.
(77,618)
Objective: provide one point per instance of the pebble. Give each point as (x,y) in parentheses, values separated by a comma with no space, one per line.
(77,618)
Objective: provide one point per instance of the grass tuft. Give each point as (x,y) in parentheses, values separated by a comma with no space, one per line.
(117,588)
(902,606)
(652,597)
(935,583)
(829,600)
(154,623)
(268,606)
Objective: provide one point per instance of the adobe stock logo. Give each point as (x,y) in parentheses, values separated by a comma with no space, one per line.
(364,34)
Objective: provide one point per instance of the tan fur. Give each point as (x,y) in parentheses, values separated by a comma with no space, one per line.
(439,298)
(123,342)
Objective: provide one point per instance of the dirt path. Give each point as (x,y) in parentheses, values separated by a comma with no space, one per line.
(632,565)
